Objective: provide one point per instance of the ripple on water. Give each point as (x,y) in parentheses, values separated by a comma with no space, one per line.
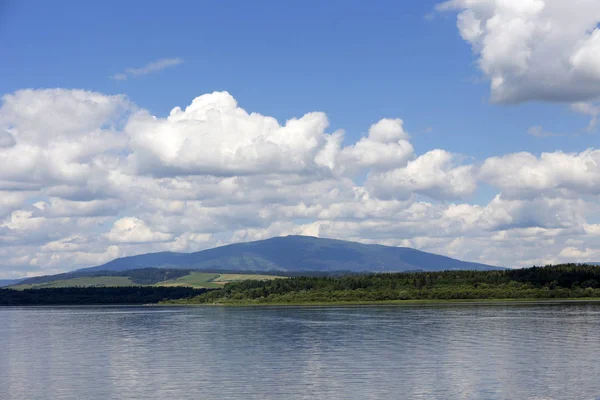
(532,351)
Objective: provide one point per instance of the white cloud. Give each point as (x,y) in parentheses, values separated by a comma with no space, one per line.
(534,49)
(540,132)
(542,212)
(590,109)
(11,201)
(59,207)
(6,139)
(134,230)
(43,115)
(435,174)
(575,254)
(388,130)
(149,68)
(68,244)
(88,177)
(385,147)
(213,136)
(59,135)
(586,59)
(523,174)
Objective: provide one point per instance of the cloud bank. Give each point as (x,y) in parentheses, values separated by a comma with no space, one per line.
(86,177)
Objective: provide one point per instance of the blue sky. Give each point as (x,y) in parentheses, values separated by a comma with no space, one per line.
(93,167)
(355,63)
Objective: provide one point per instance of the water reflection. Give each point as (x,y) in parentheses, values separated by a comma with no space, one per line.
(455,352)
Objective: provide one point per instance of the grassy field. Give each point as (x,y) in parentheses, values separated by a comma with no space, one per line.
(97,281)
(212,281)
(226,278)
(195,279)
(198,280)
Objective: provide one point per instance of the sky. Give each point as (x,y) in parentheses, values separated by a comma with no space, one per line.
(466,128)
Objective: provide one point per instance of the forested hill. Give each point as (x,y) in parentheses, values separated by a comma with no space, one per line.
(7,282)
(561,281)
(298,253)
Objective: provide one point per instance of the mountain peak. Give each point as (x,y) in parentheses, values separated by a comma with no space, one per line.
(298,253)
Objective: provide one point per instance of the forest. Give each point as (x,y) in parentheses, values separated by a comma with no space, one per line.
(549,282)
(95,295)
(566,281)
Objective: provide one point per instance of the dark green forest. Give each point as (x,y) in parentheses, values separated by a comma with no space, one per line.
(559,282)
(95,295)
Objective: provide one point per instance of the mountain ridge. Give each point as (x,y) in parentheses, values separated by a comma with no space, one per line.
(297,253)
(8,282)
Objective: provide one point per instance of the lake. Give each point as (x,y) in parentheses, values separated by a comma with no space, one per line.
(457,351)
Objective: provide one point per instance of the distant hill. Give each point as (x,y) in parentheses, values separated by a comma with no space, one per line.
(138,277)
(296,254)
(8,282)
(132,277)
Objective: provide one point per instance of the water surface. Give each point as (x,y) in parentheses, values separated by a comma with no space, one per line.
(499,351)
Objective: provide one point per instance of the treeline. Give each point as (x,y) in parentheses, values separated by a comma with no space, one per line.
(559,281)
(95,295)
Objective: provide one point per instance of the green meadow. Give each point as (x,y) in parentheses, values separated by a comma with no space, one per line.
(213,281)
(197,280)
(92,281)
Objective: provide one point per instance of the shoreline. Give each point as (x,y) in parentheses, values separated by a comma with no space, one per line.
(426,302)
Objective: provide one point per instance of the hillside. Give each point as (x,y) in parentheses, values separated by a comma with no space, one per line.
(137,277)
(8,282)
(297,253)
(142,276)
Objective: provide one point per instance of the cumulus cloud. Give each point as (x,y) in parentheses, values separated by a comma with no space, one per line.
(151,67)
(525,175)
(134,230)
(544,50)
(43,115)
(58,135)
(213,136)
(541,212)
(435,174)
(575,254)
(86,177)
(386,146)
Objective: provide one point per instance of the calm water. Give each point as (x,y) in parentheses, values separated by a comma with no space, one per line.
(428,352)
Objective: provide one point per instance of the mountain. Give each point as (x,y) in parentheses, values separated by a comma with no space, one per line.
(297,253)
(8,282)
